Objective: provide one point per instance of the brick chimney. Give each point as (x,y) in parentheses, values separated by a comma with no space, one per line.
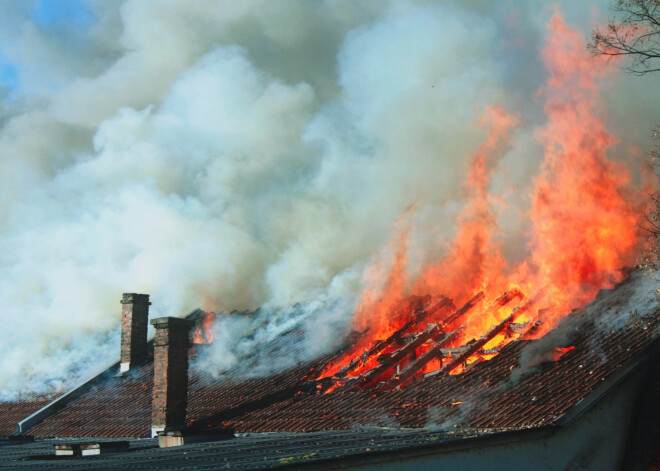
(170,374)
(134,323)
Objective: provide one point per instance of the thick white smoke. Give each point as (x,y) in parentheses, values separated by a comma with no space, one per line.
(232,155)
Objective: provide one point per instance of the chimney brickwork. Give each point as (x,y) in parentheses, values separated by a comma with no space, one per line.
(134,323)
(170,374)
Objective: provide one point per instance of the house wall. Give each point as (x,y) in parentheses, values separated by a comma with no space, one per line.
(595,441)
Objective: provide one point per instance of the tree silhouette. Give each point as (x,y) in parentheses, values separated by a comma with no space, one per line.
(634,31)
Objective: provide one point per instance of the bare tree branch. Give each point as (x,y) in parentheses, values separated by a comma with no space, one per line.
(651,257)
(633,31)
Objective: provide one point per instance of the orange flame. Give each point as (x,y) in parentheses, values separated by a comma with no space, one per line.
(203,334)
(389,299)
(559,352)
(583,214)
(474,260)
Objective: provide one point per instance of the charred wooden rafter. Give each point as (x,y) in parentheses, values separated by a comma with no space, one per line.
(433,331)
(440,304)
(475,345)
(410,370)
(435,350)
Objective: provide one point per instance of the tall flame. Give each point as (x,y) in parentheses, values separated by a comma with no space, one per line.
(583,215)
(474,260)
(583,211)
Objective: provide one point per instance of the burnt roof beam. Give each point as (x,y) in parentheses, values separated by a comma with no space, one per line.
(418,364)
(433,331)
(475,345)
(441,304)
(411,369)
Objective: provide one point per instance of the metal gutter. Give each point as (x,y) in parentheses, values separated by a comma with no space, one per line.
(59,403)
(54,406)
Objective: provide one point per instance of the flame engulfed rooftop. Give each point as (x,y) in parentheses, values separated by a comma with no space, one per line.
(473,340)
(468,306)
(528,382)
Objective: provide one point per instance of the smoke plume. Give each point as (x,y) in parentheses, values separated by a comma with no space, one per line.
(241,155)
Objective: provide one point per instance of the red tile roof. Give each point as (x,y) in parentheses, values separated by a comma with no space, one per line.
(491,394)
(12,412)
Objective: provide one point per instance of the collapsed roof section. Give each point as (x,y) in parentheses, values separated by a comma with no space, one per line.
(528,383)
(406,354)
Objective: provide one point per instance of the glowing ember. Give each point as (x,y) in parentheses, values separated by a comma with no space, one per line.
(583,230)
(410,404)
(202,333)
(560,352)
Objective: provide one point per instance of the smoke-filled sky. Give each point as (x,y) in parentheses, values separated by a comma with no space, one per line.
(237,154)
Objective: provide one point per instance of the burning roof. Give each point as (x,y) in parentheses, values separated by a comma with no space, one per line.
(468,305)
(525,382)
(562,228)
(468,339)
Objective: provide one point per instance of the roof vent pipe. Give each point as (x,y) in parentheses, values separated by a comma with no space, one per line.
(134,323)
(170,374)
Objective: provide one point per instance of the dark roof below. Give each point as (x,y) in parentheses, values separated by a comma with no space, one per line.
(248,452)
(13,412)
(525,385)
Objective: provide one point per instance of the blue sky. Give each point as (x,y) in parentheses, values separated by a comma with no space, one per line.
(8,73)
(58,12)
(49,15)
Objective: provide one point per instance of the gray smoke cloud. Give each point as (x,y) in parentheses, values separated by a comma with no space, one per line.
(237,155)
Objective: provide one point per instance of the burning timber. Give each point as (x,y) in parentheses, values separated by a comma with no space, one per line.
(397,367)
(462,391)
(442,305)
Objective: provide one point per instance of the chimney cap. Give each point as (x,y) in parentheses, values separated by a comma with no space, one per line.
(171,322)
(135,298)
